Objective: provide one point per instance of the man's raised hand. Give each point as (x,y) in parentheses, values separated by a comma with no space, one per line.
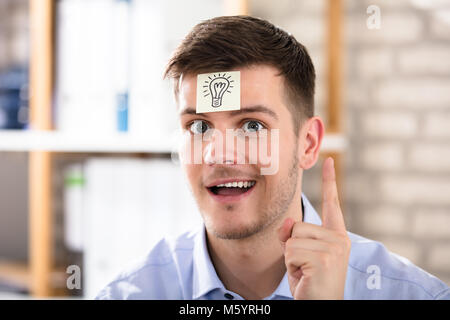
(316,257)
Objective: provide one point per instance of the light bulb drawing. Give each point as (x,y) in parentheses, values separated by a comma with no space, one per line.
(217,86)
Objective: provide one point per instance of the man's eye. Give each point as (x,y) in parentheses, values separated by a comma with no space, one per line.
(252,126)
(199,127)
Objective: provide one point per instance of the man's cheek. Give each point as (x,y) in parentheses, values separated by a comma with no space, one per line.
(269,152)
(193,176)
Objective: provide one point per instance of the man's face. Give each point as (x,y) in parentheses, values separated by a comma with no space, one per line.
(239,212)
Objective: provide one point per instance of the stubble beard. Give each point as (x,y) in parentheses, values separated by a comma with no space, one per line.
(279,203)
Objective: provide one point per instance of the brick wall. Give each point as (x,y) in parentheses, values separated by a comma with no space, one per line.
(396,182)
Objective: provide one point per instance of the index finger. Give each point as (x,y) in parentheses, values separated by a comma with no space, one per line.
(331,210)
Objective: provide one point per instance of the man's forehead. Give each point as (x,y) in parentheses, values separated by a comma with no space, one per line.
(262,94)
(218,91)
(250,73)
(258,85)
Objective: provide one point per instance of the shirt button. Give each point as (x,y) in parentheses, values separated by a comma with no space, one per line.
(228,296)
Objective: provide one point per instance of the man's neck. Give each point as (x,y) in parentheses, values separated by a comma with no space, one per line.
(252,267)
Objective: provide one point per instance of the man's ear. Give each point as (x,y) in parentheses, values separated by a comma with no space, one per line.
(309,141)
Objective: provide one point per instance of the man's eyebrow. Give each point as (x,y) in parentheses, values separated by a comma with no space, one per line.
(190,110)
(252,109)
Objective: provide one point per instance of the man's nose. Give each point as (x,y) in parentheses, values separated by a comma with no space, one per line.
(219,149)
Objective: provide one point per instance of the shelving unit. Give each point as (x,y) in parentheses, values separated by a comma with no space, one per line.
(334,88)
(43,144)
(41,86)
(14,273)
(53,141)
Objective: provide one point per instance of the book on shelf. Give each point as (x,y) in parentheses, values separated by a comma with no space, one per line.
(110,60)
(118,208)
(14,97)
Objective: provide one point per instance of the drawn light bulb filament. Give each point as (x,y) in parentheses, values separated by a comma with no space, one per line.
(218,87)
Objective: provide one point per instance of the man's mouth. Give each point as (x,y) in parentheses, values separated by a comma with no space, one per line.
(231,190)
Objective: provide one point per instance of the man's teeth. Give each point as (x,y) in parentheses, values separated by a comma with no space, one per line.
(238,184)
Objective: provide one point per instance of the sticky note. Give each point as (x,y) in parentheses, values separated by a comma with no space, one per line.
(218,91)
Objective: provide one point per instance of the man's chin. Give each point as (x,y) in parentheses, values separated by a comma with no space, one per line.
(234,232)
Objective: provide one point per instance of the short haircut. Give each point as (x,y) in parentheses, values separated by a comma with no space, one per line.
(224,43)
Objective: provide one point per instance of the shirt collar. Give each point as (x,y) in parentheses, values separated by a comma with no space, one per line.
(205,278)
(310,215)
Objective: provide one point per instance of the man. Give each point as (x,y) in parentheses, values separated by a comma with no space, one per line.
(261,238)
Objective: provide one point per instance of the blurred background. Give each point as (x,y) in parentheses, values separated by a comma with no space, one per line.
(86,127)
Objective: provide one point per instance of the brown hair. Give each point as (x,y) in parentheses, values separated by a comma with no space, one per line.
(228,42)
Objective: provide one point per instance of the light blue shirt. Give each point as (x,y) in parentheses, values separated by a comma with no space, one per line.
(181,268)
